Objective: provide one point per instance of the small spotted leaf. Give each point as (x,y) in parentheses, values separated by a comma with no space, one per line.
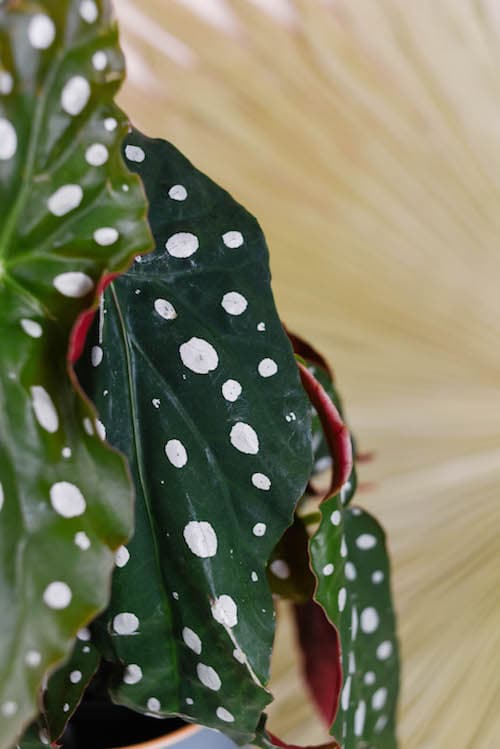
(196,382)
(350,560)
(66,687)
(71,214)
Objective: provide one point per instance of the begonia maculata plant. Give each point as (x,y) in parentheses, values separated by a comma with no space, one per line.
(160,431)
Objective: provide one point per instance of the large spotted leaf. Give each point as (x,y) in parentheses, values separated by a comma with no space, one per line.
(70,214)
(350,560)
(196,382)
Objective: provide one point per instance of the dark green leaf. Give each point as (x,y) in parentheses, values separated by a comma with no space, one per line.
(289,572)
(350,560)
(199,387)
(65,193)
(66,686)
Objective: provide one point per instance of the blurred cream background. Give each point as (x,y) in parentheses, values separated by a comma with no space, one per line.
(365,136)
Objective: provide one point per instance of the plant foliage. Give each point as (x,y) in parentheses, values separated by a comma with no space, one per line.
(71,214)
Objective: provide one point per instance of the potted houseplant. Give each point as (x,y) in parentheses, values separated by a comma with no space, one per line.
(142,543)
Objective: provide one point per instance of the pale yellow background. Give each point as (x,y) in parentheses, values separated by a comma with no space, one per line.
(365,136)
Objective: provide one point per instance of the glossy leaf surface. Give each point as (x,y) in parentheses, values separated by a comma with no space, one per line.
(65,498)
(195,381)
(350,560)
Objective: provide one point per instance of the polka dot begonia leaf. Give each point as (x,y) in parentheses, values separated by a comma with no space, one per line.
(66,686)
(349,558)
(65,497)
(208,407)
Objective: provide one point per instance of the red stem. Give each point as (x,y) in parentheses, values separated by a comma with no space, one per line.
(336,432)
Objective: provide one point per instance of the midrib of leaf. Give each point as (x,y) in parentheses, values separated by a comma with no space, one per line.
(138,451)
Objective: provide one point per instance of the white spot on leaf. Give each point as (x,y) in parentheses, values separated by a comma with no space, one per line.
(201,539)
(335,517)
(67,499)
(57,595)
(234,303)
(225,715)
(182,245)
(259,529)
(384,650)
(369,620)
(122,555)
(350,571)
(88,11)
(366,541)
(328,570)
(177,192)
(75,677)
(381,724)
(199,356)
(8,140)
(346,694)
(44,409)
(192,640)
(33,658)
(106,236)
(65,199)
(267,368)
(354,623)
(97,154)
(74,285)
(165,309)
(96,355)
(233,239)
(135,153)
(244,438)
(208,677)
(377,577)
(99,60)
(153,704)
(261,481)
(133,674)
(32,328)
(9,708)
(359,718)
(41,31)
(75,95)
(6,82)
(125,623)
(379,698)
(342,597)
(225,611)
(82,540)
(231,390)
(176,453)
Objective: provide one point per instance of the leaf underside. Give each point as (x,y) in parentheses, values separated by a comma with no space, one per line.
(196,383)
(65,497)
